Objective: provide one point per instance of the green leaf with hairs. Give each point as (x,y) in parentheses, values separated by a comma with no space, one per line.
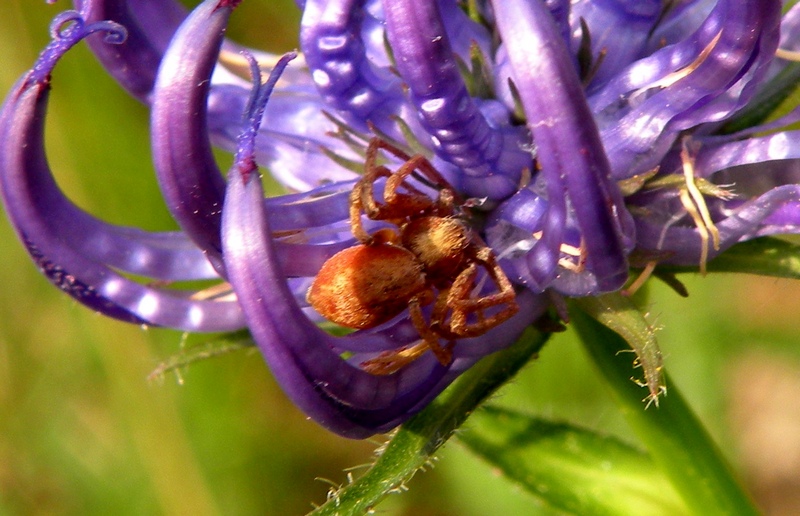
(672,434)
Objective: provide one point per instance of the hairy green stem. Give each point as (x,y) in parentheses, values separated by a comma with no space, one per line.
(417,440)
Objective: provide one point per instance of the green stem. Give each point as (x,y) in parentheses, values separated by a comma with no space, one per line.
(416,441)
(674,436)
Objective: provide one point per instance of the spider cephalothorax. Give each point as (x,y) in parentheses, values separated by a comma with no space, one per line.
(432,255)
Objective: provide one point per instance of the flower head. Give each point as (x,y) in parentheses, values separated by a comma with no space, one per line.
(568,139)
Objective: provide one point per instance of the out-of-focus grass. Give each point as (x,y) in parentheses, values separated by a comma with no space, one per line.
(83,431)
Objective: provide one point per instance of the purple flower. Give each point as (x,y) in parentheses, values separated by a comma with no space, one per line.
(571,135)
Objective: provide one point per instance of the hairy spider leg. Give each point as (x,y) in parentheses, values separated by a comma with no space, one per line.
(430,172)
(447,198)
(460,300)
(416,201)
(362,199)
(431,338)
(397,206)
(357,206)
(389,362)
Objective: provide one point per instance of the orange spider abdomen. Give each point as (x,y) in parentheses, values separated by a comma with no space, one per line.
(365,285)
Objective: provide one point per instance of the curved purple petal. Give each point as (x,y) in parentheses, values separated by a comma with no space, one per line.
(704,78)
(619,29)
(713,157)
(460,133)
(511,229)
(463,31)
(331,40)
(163,256)
(191,182)
(150,25)
(776,211)
(790,29)
(34,202)
(318,208)
(344,45)
(574,169)
(680,20)
(560,11)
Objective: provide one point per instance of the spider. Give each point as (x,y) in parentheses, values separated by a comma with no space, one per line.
(431,256)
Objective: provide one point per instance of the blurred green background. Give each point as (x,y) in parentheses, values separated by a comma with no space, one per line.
(83,431)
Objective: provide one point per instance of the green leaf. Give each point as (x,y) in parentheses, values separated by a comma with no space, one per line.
(414,444)
(570,468)
(765,256)
(673,435)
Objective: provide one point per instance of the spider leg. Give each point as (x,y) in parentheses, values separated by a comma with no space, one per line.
(365,190)
(440,307)
(356,226)
(505,292)
(362,198)
(443,354)
(396,207)
(389,362)
(439,316)
(424,166)
(366,185)
(462,303)
(447,198)
(413,199)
